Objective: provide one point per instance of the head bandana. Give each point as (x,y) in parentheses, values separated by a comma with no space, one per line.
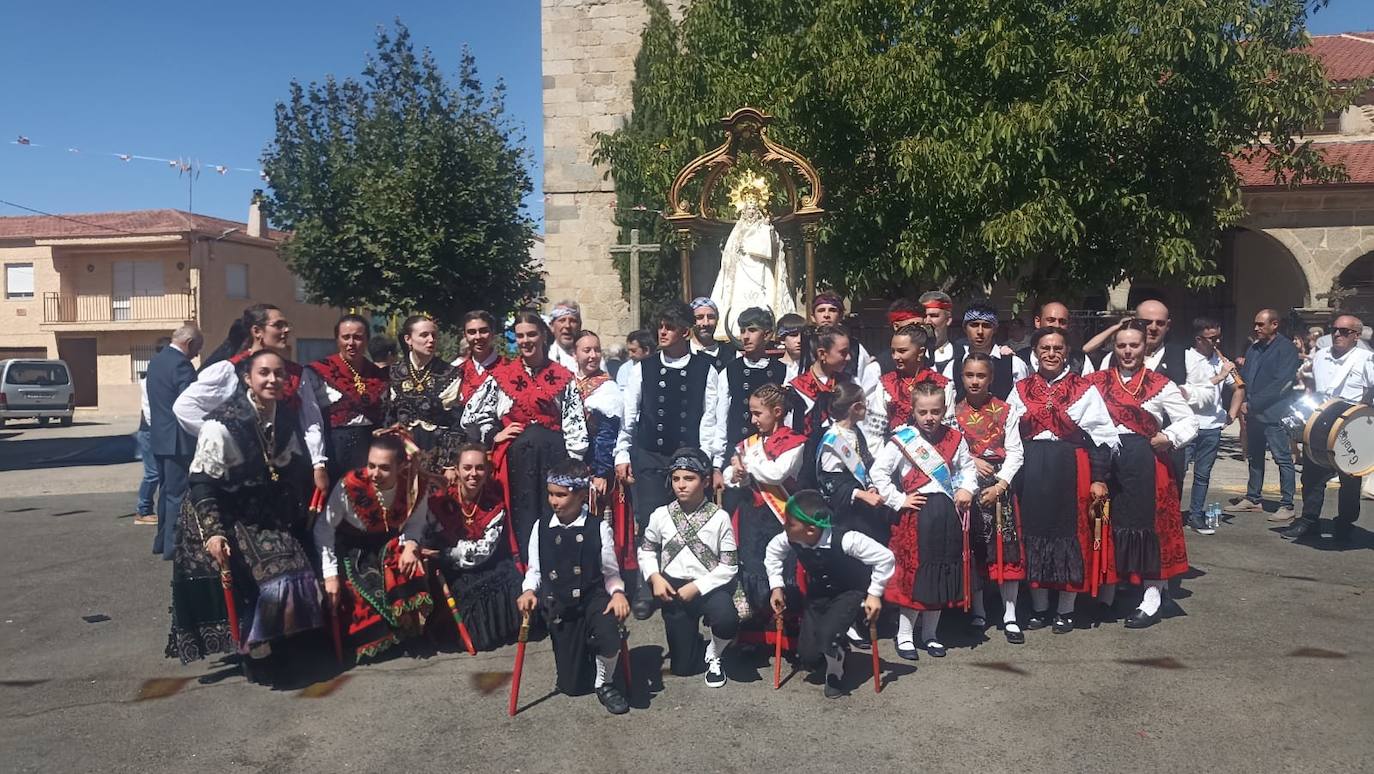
(702,301)
(559,312)
(788,330)
(938,303)
(900,319)
(980,315)
(827,299)
(688,463)
(815,520)
(574,483)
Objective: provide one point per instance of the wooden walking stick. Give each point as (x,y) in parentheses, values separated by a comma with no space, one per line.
(226,581)
(625,659)
(777,650)
(523,640)
(1001,573)
(873,648)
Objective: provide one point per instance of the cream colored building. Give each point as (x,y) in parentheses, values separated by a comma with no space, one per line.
(100,289)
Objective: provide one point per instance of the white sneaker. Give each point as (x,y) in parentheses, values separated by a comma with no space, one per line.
(715,676)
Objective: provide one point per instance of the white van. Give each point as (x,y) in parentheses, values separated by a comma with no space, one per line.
(36,389)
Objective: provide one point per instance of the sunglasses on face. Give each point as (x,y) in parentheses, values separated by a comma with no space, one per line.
(1343,332)
(1213,339)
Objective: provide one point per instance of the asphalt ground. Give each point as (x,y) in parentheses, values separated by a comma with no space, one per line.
(1263,663)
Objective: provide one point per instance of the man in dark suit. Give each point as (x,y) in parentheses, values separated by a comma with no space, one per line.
(1271,368)
(169,372)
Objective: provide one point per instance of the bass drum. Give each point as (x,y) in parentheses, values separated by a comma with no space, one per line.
(1340,435)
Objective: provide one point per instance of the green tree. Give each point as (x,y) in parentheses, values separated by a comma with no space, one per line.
(1054,144)
(403,191)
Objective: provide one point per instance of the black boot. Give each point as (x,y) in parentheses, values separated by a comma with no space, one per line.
(643,604)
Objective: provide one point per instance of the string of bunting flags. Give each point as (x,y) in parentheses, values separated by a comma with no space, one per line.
(183,165)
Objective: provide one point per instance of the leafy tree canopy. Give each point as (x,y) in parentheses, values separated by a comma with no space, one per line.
(403,190)
(1054,144)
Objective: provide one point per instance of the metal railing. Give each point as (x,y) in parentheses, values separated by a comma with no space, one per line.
(94,308)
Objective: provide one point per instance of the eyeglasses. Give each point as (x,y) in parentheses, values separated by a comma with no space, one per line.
(1344,332)
(1213,339)
(280,325)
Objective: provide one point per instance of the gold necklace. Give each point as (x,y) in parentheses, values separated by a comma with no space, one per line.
(358,383)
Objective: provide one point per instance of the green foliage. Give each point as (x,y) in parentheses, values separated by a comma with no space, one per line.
(403,191)
(1054,144)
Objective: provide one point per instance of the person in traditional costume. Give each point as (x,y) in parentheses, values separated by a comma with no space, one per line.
(943,354)
(764,466)
(789,337)
(925,474)
(351,390)
(728,390)
(706,316)
(604,404)
(242,530)
(665,410)
(980,331)
(846,571)
(890,406)
(689,559)
(573,579)
(1152,419)
(992,431)
(900,313)
(531,413)
(1055,314)
(465,533)
(262,326)
(479,334)
(809,395)
(424,396)
(366,569)
(1068,439)
(827,309)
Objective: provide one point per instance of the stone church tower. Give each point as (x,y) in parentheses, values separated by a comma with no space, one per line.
(589,47)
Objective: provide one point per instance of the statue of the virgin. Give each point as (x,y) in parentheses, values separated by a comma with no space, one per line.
(753,271)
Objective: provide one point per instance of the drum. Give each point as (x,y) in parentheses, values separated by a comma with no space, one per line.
(1340,435)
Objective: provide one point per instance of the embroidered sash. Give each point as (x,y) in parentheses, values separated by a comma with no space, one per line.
(922,455)
(686,536)
(774,496)
(848,453)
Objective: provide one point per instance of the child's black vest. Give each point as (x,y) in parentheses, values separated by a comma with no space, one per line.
(569,565)
(830,571)
(671,404)
(743,379)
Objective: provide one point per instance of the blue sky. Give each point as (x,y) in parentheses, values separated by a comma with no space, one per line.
(188,80)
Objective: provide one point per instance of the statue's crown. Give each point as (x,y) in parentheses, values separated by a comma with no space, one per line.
(749,187)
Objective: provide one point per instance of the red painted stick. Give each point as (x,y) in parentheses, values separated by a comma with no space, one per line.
(519,664)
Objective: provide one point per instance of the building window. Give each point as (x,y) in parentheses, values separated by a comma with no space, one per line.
(18,280)
(310,350)
(236,280)
(139,357)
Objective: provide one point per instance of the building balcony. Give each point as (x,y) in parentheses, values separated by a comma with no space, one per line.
(95,312)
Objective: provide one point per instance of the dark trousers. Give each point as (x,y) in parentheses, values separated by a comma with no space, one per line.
(1314,478)
(1201,455)
(574,632)
(681,620)
(172,472)
(1275,438)
(650,490)
(823,620)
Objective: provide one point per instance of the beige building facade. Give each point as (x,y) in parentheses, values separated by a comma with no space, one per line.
(99,290)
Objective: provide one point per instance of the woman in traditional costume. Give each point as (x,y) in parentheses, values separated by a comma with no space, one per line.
(604,404)
(1068,438)
(424,395)
(351,390)
(1153,419)
(240,557)
(530,411)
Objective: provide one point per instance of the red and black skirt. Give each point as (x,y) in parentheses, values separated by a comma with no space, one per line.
(1147,529)
(1056,524)
(929,547)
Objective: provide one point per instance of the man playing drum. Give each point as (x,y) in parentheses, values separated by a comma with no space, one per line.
(1346,371)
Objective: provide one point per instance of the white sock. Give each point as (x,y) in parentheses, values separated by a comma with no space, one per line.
(979,610)
(834,662)
(1009,591)
(930,622)
(1107,594)
(604,665)
(1066,602)
(1040,600)
(906,628)
(853,634)
(715,646)
(1150,604)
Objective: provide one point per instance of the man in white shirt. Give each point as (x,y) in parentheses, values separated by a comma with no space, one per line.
(1343,370)
(1208,373)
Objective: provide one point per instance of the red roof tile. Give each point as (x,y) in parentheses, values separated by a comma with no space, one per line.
(1358,158)
(117,224)
(1347,56)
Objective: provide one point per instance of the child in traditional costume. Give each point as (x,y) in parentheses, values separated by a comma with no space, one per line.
(891,404)
(573,578)
(925,473)
(846,571)
(384,589)
(689,559)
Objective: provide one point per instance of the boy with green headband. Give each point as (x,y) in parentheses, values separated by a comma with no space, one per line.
(845,570)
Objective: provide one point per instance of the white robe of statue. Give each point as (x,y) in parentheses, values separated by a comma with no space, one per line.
(752,271)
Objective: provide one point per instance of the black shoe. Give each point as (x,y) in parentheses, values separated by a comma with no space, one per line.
(1139,620)
(833,689)
(935,649)
(715,676)
(978,623)
(612,699)
(1038,620)
(1299,528)
(909,654)
(857,643)
(1106,613)
(643,606)
(1014,636)
(1063,623)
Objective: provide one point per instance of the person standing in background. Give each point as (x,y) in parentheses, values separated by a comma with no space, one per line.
(146,513)
(169,373)
(1271,367)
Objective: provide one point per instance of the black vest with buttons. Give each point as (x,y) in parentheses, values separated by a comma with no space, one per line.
(671,404)
(742,380)
(830,571)
(569,565)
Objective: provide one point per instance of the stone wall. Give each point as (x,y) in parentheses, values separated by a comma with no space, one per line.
(589,48)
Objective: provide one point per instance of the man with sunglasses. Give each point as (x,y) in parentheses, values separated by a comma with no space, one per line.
(1152,317)
(1208,373)
(1271,368)
(1343,370)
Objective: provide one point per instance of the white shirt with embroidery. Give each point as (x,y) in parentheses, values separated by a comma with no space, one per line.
(483,412)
